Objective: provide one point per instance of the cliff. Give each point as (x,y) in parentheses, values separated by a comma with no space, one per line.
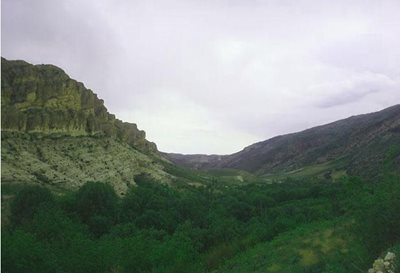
(57,133)
(44,99)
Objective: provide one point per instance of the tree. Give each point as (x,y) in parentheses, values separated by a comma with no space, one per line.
(26,203)
(96,205)
(22,252)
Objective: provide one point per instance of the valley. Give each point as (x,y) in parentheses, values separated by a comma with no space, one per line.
(85,192)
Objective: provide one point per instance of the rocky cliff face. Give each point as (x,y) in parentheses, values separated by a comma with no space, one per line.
(44,99)
(57,133)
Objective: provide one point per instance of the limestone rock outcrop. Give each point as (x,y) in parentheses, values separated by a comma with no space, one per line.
(44,99)
(57,133)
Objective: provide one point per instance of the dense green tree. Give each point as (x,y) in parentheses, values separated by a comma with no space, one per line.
(27,202)
(22,252)
(51,224)
(379,219)
(96,205)
(157,228)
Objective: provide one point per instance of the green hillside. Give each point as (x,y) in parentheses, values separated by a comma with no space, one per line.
(289,227)
(361,140)
(84,192)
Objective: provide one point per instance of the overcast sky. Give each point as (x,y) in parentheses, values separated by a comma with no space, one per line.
(215,76)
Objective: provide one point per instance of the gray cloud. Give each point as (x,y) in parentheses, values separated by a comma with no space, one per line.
(345,98)
(215,76)
(356,89)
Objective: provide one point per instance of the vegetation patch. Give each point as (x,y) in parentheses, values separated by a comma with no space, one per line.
(291,227)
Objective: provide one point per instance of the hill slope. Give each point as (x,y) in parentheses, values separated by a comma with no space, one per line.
(362,141)
(56,131)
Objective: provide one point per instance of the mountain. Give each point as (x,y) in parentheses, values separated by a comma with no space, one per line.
(43,98)
(360,142)
(57,132)
(54,130)
(196,161)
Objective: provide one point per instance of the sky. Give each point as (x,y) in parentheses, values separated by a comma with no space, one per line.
(215,76)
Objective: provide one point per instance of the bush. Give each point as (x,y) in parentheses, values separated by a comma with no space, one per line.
(379,220)
(26,203)
(96,205)
(51,224)
(22,252)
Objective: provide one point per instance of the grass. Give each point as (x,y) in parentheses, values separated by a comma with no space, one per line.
(334,170)
(300,250)
(226,177)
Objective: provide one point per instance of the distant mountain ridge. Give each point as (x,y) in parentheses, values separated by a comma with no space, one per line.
(363,140)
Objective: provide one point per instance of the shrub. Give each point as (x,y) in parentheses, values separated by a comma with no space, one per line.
(96,205)
(22,252)
(26,203)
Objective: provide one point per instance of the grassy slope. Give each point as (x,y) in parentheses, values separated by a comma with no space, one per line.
(307,247)
(300,250)
(331,170)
